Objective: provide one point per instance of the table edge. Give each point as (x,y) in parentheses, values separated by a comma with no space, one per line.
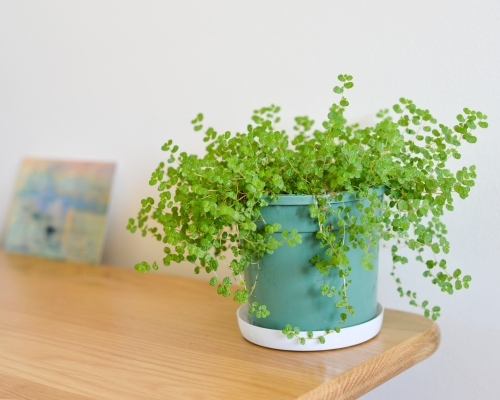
(372,373)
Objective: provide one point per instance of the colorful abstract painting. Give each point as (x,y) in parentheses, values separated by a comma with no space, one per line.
(59,210)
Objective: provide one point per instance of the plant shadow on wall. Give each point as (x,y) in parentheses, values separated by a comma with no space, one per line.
(390,181)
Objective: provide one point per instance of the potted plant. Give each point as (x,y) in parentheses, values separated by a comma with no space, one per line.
(298,219)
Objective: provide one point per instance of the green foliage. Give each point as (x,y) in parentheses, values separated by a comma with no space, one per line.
(207,210)
(260,310)
(295,332)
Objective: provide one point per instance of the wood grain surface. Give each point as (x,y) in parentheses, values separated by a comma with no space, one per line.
(75,331)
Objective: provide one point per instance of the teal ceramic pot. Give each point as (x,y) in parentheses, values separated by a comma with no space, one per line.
(290,286)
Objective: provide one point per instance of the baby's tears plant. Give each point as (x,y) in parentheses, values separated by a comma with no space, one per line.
(208,208)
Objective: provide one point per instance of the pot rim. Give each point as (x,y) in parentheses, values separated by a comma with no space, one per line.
(307,199)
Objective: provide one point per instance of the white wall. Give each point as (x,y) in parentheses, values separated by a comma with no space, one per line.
(112,81)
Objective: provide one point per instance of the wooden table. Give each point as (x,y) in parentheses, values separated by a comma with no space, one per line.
(74,331)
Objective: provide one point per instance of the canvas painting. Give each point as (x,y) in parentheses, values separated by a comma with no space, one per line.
(59,210)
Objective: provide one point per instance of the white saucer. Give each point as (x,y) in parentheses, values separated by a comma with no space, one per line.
(275,339)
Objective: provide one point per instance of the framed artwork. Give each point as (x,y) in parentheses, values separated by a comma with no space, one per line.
(59,209)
